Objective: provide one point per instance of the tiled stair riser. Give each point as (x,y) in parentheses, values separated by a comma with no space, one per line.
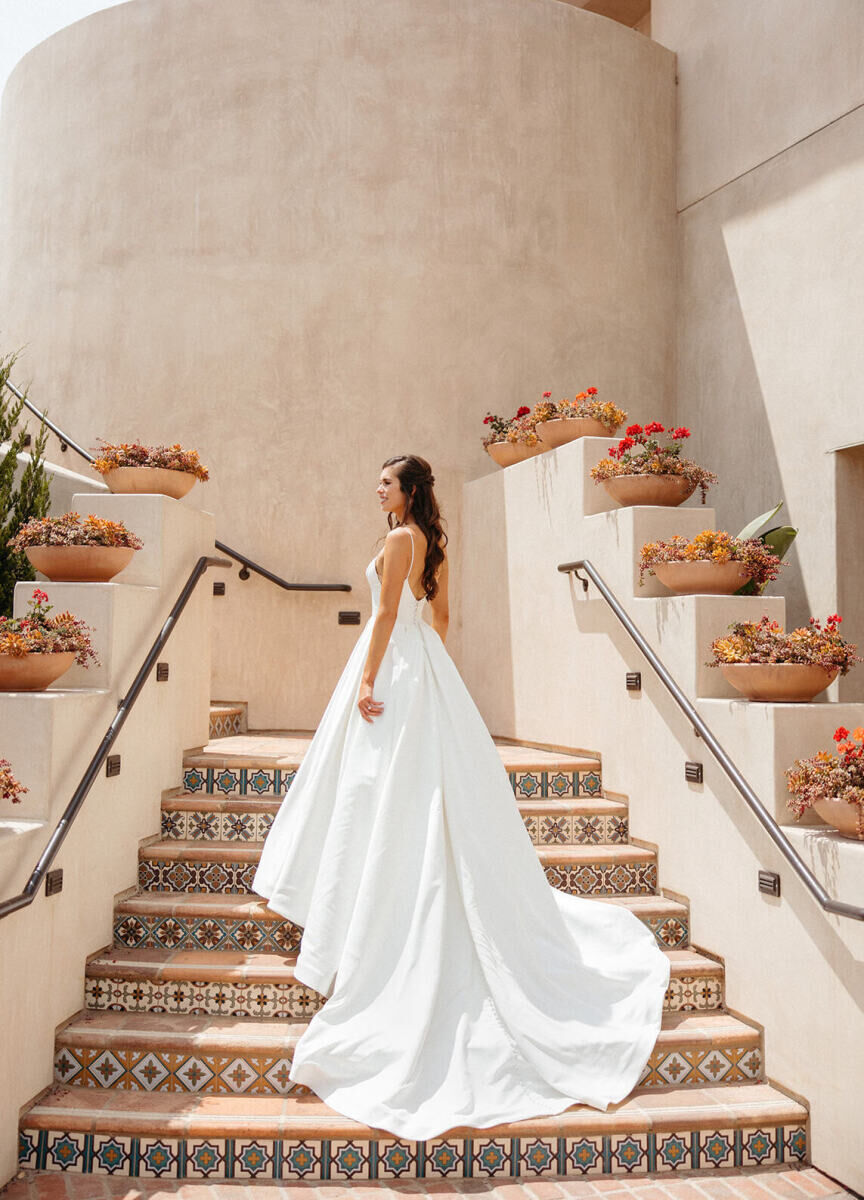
(580,878)
(686,993)
(226,722)
(532,1157)
(275,781)
(162,1070)
(566,830)
(135,932)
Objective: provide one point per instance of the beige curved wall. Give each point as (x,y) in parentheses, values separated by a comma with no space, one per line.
(305,236)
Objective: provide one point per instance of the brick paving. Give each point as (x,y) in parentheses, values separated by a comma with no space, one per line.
(804,1183)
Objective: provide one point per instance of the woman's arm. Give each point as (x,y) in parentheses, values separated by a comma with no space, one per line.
(440,606)
(397,557)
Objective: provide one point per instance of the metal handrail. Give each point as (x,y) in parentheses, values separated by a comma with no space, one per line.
(28,895)
(65,441)
(774,831)
(248,563)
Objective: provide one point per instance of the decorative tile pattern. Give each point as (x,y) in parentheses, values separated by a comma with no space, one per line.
(188,875)
(703,1065)
(482,1158)
(604,879)
(206,826)
(584,1156)
(570,830)
(239,781)
(717,1149)
(226,724)
(795,1144)
(168,1071)
(396,1160)
(694,993)
(539,1156)
(627,1155)
(239,999)
(532,785)
(443,1158)
(672,933)
(154,932)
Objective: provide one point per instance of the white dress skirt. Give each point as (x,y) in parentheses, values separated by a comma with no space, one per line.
(463,990)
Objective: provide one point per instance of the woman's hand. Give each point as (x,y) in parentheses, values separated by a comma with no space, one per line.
(368,705)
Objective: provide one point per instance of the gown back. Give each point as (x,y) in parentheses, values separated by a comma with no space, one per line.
(463,990)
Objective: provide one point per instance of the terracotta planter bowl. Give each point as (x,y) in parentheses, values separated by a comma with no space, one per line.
(842,815)
(80,564)
(567,429)
(505,454)
(790,683)
(32,672)
(702,578)
(665,490)
(157,481)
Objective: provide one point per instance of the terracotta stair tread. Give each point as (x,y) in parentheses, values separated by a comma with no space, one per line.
(277,748)
(222,965)
(167,1114)
(245,1036)
(177,850)
(236,905)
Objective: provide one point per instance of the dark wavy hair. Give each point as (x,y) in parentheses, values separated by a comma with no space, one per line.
(417,481)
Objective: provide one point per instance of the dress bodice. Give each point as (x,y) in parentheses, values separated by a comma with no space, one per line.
(410,608)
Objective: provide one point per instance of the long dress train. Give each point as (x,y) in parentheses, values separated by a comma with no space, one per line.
(463,989)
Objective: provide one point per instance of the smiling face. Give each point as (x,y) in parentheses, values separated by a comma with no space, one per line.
(390,495)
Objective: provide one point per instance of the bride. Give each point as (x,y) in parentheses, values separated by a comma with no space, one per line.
(463,990)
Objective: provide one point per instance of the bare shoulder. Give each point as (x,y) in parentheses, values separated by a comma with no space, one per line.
(399,540)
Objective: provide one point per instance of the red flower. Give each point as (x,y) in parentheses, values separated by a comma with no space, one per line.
(591,391)
(841,733)
(613,453)
(522,412)
(625,444)
(654,427)
(633,429)
(486,420)
(834,619)
(39,596)
(681,432)
(546,395)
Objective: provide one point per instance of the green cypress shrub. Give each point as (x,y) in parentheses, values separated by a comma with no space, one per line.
(20,498)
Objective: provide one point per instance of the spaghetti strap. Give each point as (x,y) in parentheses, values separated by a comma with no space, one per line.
(411,564)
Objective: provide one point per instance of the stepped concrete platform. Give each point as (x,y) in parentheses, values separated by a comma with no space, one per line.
(178,1067)
(234,983)
(173,1134)
(157,1052)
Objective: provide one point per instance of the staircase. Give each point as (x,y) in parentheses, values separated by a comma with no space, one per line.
(177,1066)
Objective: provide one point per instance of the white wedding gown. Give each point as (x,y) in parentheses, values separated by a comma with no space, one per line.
(463,989)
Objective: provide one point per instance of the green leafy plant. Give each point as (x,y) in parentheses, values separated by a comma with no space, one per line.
(39,633)
(72,530)
(21,496)
(777,540)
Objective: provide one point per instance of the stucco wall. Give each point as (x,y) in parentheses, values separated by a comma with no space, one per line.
(771,247)
(305,237)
